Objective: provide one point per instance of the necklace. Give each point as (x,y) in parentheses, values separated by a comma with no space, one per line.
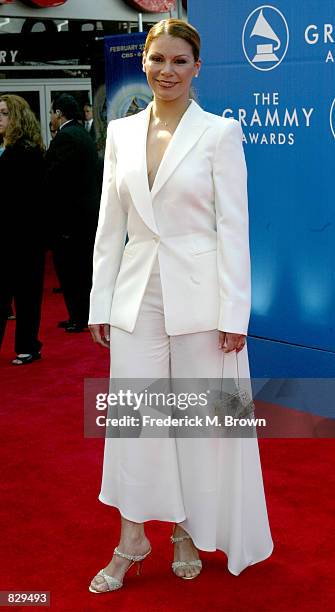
(166,123)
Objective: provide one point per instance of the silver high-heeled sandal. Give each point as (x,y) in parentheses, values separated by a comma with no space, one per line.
(111,583)
(177,564)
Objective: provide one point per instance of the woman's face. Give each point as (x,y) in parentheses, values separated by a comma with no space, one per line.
(170,67)
(4,118)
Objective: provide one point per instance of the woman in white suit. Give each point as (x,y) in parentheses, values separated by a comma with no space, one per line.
(174,303)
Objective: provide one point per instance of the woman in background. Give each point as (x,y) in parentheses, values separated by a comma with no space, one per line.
(22,236)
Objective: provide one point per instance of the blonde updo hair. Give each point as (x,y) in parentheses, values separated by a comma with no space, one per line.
(177,28)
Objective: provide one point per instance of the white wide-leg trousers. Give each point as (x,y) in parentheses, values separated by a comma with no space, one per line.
(212,486)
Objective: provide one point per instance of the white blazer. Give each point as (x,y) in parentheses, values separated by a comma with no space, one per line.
(195,219)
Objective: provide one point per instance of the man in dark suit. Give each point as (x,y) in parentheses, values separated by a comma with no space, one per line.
(88,120)
(73,181)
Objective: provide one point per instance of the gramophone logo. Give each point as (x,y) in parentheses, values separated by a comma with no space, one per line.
(332,117)
(265,38)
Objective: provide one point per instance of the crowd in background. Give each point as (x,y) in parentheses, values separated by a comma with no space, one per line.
(50,201)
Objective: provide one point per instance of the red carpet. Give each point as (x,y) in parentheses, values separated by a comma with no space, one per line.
(56,535)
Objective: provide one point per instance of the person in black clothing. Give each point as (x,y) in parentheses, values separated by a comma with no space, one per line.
(89,121)
(73,182)
(22,240)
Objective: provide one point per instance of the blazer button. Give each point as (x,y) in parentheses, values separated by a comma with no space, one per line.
(195,280)
(156,239)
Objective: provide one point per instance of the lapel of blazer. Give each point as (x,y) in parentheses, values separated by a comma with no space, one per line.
(191,126)
(136,174)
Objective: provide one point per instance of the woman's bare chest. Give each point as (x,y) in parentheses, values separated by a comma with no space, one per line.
(157,143)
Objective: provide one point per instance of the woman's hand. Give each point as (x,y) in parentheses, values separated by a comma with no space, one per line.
(230,342)
(100,333)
